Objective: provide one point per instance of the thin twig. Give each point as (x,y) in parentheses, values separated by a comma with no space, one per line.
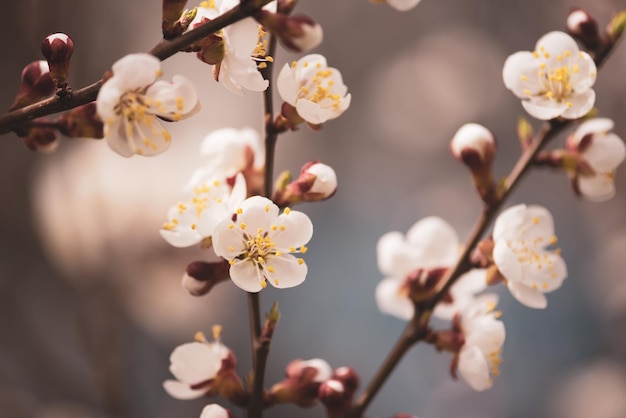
(163,50)
(260,347)
(549,130)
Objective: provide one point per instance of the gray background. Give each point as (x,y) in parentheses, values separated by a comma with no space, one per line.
(90,297)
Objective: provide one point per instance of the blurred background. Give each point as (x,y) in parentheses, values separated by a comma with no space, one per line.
(90,298)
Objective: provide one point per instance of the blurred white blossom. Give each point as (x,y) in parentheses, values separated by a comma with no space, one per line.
(192,221)
(479,357)
(603,152)
(521,235)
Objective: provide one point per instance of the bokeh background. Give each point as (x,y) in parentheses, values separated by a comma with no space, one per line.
(90,297)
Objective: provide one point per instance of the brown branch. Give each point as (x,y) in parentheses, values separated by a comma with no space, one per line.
(416,330)
(261,347)
(163,50)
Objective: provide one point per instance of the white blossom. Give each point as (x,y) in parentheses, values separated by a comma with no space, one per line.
(603,152)
(521,235)
(430,243)
(194,365)
(226,152)
(403,5)
(215,411)
(129,102)
(192,221)
(554,80)
(316,91)
(238,69)
(479,357)
(259,244)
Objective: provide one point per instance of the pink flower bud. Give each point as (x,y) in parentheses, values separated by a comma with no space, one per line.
(200,277)
(302,382)
(58,49)
(82,122)
(582,26)
(348,377)
(333,395)
(172,11)
(474,145)
(317,181)
(41,139)
(36,84)
(298,33)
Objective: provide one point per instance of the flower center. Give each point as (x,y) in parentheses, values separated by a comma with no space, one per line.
(133,107)
(319,88)
(556,82)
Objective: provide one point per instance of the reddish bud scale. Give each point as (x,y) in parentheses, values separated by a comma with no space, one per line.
(36,84)
(41,139)
(200,277)
(82,122)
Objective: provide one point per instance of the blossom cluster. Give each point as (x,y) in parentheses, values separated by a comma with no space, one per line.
(257,237)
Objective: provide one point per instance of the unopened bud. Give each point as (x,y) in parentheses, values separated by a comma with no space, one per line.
(617,24)
(475,146)
(36,84)
(215,411)
(200,277)
(42,139)
(58,49)
(317,181)
(82,122)
(348,376)
(583,27)
(337,400)
(302,382)
(172,11)
(298,33)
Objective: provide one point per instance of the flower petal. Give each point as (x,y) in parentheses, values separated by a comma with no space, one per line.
(545,273)
(287,85)
(598,188)
(390,301)
(519,74)
(214,411)
(182,391)
(257,213)
(542,108)
(294,229)
(173,100)
(135,71)
(434,242)
(228,240)
(507,262)
(196,362)
(605,152)
(289,271)
(474,368)
(527,295)
(246,276)
(580,105)
(593,126)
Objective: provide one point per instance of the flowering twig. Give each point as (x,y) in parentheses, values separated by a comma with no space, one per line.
(417,329)
(260,348)
(163,50)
